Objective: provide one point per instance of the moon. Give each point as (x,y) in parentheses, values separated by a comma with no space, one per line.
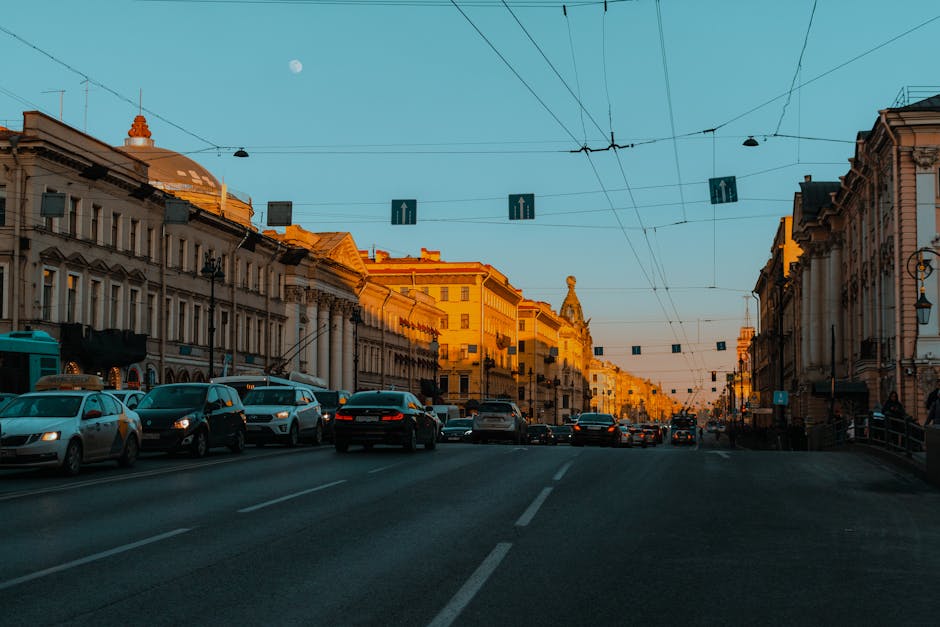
(296,67)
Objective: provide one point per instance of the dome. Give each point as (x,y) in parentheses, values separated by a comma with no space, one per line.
(179,175)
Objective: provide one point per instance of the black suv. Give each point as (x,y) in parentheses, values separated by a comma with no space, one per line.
(193,416)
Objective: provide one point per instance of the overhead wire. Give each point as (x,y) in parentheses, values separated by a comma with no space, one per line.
(799,66)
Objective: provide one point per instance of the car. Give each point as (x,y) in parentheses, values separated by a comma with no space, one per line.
(682,436)
(562,434)
(595,428)
(457,430)
(626,436)
(130,398)
(193,417)
(68,422)
(330,402)
(639,436)
(282,414)
(653,435)
(385,417)
(541,434)
(499,420)
(5,398)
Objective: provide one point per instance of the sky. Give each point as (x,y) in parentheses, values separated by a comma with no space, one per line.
(344,105)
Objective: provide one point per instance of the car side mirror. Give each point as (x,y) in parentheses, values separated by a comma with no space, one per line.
(213,405)
(429,408)
(91,413)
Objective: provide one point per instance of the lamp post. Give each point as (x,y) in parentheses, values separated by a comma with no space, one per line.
(434,347)
(741,386)
(531,393)
(919,272)
(555,383)
(212,269)
(488,364)
(356,319)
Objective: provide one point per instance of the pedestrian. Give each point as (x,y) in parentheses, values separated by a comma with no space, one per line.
(932,397)
(933,416)
(893,408)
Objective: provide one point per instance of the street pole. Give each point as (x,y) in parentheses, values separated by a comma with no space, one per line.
(212,269)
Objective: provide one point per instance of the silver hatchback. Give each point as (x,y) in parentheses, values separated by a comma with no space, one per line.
(499,420)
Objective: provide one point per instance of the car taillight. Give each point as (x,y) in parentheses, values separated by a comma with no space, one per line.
(342,416)
(391,417)
(611,429)
(577,427)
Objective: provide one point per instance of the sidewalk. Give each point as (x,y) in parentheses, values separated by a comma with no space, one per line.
(917,462)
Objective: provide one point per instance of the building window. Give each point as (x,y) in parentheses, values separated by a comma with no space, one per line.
(522,325)
(115,230)
(445,294)
(133,303)
(197,320)
(197,258)
(167,317)
(223,328)
(135,225)
(3,205)
(404,291)
(115,307)
(48,294)
(95,234)
(181,254)
(426,291)
(444,384)
(247,334)
(151,315)
(259,345)
(444,352)
(464,385)
(71,298)
(74,204)
(465,293)
(521,346)
(565,401)
(463,351)
(521,367)
(3,292)
(464,321)
(149,244)
(181,323)
(445,322)
(96,304)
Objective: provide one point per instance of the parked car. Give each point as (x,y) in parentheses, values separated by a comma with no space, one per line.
(131,398)
(595,428)
(287,415)
(193,416)
(499,420)
(65,428)
(562,434)
(385,417)
(541,434)
(457,430)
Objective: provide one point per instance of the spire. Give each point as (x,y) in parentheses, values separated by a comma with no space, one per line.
(747,311)
(571,308)
(139,133)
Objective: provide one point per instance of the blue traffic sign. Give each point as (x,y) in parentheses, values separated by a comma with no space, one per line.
(405,211)
(521,206)
(723,189)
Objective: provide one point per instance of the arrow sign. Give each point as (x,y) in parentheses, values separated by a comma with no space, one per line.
(521,206)
(723,189)
(405,211)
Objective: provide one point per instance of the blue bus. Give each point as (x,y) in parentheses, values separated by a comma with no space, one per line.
(24,357)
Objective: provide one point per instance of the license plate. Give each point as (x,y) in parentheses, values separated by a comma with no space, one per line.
(594,428)
(7,455)
(367,418)
(254,428)
(151,436)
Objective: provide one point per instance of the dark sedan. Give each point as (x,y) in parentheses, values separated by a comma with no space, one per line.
(595,429)
(562,434)
(682,437)
(457,430)
(541,434)
(385,417)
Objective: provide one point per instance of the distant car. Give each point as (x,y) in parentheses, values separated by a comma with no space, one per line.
(385,417)
(594,428)
(499,420)
(540,434)
(656,432)
(626,436)
(65,428)
(639,436)
(131,398)
(457,430)
(330,402)
(283,414)
(682,436)
(562,434)
(193,417)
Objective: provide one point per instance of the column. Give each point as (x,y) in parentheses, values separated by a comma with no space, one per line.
(349,349)
(323,343)
(336,346)
(313,328)
(836,310)
(806,328)
(820,332)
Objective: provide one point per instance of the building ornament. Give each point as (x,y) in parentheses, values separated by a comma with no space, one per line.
(294,294)
(925,157)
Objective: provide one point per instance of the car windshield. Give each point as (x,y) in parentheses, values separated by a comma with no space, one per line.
(496,407)
(174,397)
(58,406)
(328,399)
(283,396)
(380,399)
(563,429)
(537,428)
(604,419)
(459,422)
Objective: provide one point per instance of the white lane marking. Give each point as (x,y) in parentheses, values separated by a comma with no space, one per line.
(722,453)
(247,510)
(375,470)
(91,558)
(469,589)
(139,475)
(529,513)
(562,471)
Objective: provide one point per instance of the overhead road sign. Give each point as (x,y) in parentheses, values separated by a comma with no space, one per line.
(521,206)
(405,211)
(723,189)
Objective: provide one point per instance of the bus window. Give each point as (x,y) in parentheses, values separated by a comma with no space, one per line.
(25,356)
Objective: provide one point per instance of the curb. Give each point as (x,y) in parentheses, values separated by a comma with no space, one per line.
(896,459)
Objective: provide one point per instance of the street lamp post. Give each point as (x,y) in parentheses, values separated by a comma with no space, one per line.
(434,347)
(212,269)
(488,364)
(356,319)
(741,374)
(531,394)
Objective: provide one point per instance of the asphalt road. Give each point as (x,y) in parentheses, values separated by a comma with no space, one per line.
(473,535)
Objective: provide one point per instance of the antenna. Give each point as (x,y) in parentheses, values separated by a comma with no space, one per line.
(85,83)
(61,93)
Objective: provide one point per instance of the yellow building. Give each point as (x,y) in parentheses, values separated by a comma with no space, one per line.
(575,351)
(540,366)
(478,325)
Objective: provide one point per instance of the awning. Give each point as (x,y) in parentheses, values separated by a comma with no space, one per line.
(842,388)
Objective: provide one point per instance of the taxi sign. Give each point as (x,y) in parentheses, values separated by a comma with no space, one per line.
(69,382)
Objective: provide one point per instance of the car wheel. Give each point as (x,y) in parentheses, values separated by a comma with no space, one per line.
(411,442)
(238,446)
(318,435)
(200,445)
(293,435)
(72,462)
(129,456)
(341,447)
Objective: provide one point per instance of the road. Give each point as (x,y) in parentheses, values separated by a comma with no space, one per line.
(473,535)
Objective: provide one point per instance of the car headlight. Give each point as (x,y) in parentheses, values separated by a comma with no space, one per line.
(51,436)
(184,422)
(468,432)
(282,414)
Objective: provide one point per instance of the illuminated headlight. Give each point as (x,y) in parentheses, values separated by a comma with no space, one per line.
(51,436)
(327,416)
(183,423)
(468,432)
(282,414)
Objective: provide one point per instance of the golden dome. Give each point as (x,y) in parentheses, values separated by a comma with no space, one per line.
(179,175)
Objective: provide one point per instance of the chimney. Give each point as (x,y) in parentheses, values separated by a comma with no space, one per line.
(807,177)
(380,256)
(430,255)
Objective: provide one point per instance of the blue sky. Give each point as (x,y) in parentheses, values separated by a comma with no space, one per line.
(407,100)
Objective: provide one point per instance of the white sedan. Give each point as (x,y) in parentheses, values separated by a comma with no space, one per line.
(67,428)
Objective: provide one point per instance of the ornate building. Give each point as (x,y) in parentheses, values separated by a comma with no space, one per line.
(575,350)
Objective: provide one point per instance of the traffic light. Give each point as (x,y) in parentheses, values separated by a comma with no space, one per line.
(714,375)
